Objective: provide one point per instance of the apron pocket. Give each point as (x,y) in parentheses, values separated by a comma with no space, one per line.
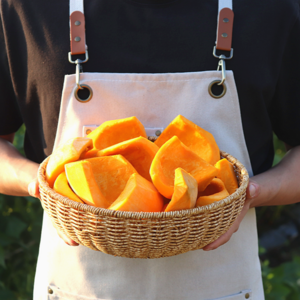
(55,293)
(243,295)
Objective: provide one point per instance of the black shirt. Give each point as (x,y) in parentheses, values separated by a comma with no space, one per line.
(151,36)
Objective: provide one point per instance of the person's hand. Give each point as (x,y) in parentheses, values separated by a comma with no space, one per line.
(33,190)
(252,192)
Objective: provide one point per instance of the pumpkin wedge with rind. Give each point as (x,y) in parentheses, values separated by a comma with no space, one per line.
(185,191)
(66,153)
(81,179)
(196,138)
(139,195)
(215,191)
(227,175)
(116,131)
(172,155)
(138,151)
(62,187)
(111,174)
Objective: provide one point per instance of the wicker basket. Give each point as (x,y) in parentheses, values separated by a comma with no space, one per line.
(143,235)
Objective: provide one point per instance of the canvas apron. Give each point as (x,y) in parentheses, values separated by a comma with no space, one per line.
(231,272)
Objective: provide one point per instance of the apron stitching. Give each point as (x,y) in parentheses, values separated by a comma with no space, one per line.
(172,80)
(211,76)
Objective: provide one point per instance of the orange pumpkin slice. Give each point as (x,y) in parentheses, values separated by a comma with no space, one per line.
(197,139)
(138,151)
(116,131)
(227,175)
(62,187)
(172,155)
(111,174)
(66,153)
(139,195)
(92,153)
(81,179)
(185,191)
(215,191)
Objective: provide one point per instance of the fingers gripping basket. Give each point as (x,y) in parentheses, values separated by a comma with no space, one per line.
(143,235)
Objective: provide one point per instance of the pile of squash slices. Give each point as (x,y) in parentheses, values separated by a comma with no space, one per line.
(116,167)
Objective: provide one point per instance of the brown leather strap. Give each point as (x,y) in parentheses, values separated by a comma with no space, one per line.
(225,25)
(77,33)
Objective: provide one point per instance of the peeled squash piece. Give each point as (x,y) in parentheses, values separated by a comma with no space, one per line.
(116,131)
(172,155)
(66,153)
(139,195)
(197,139)
(227,175)
(215,191)
(81,179)
(185,191)
(138,151)
(62,187)
(92,153)
(111,174)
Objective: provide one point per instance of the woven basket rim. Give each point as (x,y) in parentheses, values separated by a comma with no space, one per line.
(147,215)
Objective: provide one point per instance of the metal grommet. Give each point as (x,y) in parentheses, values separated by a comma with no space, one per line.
(247,296)
(210,89)
(84,86)
(50,291)
(224,35)
(77,23)
(88,131)
(77,39)
(157,132)
(225,20)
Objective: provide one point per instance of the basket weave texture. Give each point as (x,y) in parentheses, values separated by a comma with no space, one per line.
(143,235)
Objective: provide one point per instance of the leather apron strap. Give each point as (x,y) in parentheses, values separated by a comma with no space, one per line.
(225,25)
(77,26)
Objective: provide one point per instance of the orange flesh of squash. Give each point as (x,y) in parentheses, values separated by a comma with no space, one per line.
(111,175)
(172,155)
(116,131)
(227,175)
(197,139)
(81,179)
(215,191)
(139,195)
(138,151)
(62,187)
(92,153)
(66,153)
(185,191)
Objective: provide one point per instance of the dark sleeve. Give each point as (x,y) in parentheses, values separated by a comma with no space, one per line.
(285,107)
(10,116)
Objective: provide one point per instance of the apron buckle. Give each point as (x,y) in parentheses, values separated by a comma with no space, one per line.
(78,63)
(222,66)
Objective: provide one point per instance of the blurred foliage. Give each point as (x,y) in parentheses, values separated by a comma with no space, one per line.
(21,219)
(20,224)
(283,281)
(281,278)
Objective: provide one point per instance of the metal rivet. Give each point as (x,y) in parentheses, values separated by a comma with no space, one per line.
(247,296)
(77,23)
(225,20)
(211,92)
(88,131)
(157,132)
(77,39)
(50,291)
(224,35)
(86,100)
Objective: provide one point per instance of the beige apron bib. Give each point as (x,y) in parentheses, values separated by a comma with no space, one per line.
(231,272)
